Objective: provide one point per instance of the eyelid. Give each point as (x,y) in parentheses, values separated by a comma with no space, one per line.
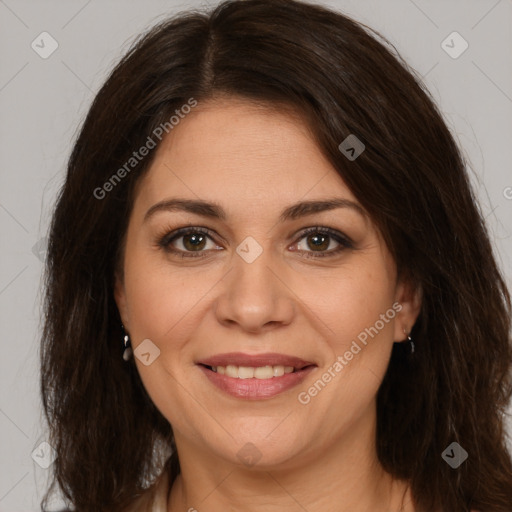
(171,235)
(333,233)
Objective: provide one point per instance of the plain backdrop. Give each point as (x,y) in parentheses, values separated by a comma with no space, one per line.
(43,101)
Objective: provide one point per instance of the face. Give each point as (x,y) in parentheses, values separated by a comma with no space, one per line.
(251,282)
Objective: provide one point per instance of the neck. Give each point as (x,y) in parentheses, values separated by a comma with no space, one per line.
(345,476)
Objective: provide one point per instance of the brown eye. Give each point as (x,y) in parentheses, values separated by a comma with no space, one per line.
(318,242)
(188,242)
(323,241)
(194,241)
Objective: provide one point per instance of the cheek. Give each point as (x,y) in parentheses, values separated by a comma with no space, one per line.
(352,300)
(160,302)
(157,295)
(166,304)
(358,309)
(366,300)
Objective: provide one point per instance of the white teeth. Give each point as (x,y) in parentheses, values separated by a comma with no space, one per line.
(248,372)
(231,370)
(245,372)
(278,371)
(264,372)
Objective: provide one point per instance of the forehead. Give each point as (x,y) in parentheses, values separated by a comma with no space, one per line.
(238,152)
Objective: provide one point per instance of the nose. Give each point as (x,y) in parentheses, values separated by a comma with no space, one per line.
(255,296)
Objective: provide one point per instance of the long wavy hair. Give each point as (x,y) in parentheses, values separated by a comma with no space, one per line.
(342,78)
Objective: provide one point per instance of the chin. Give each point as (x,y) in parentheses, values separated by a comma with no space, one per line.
(265,447)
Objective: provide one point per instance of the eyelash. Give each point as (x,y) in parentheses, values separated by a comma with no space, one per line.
(165,242)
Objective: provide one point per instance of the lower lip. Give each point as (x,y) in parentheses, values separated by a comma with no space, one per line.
(256,389)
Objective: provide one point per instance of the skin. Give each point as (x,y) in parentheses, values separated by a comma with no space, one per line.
(254,162)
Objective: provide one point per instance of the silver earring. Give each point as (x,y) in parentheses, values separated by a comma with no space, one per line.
(411,343)
(127,354)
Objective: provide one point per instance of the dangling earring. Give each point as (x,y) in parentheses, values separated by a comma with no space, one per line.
(127,348)
(411,343)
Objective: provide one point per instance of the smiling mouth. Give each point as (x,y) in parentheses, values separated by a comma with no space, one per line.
(255,376)
(256,382)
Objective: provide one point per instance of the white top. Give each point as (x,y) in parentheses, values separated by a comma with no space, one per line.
(155,498)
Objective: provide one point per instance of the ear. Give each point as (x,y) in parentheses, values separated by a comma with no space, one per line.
(120,298)
(409,296)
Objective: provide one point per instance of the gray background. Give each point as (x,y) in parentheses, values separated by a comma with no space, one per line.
(42,102)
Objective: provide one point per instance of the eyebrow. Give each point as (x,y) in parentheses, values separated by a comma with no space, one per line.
(215,211)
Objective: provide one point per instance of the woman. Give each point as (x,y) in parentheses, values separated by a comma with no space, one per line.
(269,285)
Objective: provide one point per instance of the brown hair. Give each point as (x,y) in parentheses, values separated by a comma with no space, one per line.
(411,179)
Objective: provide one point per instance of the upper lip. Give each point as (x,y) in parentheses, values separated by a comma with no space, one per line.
(256,360)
